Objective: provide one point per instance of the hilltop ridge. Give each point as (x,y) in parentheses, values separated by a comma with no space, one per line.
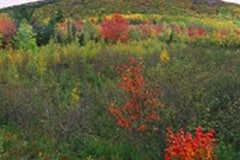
(79,8)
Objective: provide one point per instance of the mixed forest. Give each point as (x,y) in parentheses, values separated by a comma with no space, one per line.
(120,80)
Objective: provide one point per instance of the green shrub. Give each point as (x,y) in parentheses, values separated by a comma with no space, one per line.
(89,33)
(226,152)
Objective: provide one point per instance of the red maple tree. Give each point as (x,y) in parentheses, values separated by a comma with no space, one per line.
(141,107)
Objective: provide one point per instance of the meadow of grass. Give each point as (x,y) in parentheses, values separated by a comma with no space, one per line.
(120,86)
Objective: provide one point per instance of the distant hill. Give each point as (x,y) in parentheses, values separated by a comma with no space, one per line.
(80,8)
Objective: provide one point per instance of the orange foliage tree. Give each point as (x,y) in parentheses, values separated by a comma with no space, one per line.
(7,30)
(140,110)
(183,146)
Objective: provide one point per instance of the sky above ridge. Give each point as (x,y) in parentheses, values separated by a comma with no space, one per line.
(232,1)
(8,3)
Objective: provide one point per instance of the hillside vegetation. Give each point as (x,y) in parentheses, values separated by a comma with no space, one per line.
(120,80)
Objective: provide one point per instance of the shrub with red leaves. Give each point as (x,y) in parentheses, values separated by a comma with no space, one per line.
(191,31)
(183,146)
(115,28)
(195,32)
(7,30)
(149,30)
(141,107)
(78,25)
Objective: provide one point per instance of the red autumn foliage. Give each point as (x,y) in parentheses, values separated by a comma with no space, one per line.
(222,33)
(78,25)
(115,28)
(62,26)
(7,30)
(237,32)
(149,30)
(183,146)
(141,106)
(191,31)
(195,32)
(177,29)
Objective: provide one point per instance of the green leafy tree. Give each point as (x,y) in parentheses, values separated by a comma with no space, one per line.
(44,31)
(25,38)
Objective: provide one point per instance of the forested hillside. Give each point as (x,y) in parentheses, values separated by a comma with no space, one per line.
(120,80)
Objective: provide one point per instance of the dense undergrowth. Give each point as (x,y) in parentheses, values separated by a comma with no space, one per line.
(120,86)
(59,95)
